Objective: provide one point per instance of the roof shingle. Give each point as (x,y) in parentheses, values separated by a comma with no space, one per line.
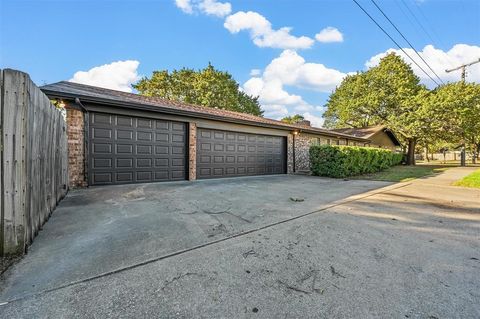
(93,94)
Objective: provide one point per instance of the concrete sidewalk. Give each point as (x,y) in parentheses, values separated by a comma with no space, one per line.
(409,250)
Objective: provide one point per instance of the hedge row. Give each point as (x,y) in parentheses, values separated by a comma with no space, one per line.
(344,161)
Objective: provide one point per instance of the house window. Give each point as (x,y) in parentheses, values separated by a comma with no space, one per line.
(329,142)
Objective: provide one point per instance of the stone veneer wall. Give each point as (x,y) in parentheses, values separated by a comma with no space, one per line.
(303,141)
(192,151)
(76,147)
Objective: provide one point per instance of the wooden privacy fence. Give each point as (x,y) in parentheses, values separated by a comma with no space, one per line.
(34,175)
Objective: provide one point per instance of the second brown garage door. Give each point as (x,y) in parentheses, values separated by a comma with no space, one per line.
(229,154)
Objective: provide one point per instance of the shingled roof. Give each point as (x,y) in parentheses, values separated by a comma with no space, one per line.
(92,94)
(368,132)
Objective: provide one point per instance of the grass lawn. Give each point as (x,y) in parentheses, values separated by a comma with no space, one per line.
(404,173)
(472,180)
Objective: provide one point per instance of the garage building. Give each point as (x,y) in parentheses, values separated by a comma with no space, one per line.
(117,138)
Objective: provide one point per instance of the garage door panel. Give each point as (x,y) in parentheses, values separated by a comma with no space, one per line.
(144,149)
(144,123)
(102,133)
(144,136)
(124,135)
(102,148)
(102,178)
(179,127)
(123,177)
(226,153)
(99,118)
(102,163)
(127,149)
(124,121)
(124,163)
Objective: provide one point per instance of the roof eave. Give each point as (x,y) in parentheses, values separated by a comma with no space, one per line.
(168,110)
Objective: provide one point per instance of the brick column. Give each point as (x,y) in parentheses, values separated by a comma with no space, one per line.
(76,147)
(192,151)
(290,154)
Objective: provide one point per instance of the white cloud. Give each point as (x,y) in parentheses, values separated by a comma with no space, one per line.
(116,75)
(262,33)
(210,7)
(329,34)
(290,69)
(255,72)
(439,60)
(274,111)
(184,5)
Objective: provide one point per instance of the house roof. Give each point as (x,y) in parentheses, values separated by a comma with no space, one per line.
(368,132)
(92,94)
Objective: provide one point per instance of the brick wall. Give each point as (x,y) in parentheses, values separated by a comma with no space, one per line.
(192,151)
(76,148)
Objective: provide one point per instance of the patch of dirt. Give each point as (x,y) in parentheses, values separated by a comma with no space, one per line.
(6,262)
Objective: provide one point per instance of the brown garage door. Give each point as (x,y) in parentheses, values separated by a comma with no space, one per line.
(228,154)
(127,149)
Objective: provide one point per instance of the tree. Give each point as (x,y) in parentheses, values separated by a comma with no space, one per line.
(293,119)
(207,87)
(455,108)
(389,94)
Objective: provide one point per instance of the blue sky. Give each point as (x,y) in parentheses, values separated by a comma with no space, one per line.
(116,41)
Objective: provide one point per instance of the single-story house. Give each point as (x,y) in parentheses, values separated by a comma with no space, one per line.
(117,137)
(379,136)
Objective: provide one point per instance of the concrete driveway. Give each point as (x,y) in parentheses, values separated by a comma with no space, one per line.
(243,248)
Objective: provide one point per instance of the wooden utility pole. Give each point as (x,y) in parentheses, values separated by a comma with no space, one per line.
(463,67)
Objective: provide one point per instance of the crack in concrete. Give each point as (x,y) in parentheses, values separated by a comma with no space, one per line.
(181,276)
(335,273)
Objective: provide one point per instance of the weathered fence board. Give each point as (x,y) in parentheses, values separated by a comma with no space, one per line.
(34,160)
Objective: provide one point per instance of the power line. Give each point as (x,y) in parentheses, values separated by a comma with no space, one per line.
(393,40)
(418,21)
(412,23)
(427,21)
(411,46)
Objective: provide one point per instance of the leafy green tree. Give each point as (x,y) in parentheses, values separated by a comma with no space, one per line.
(293,119)
(207,87)
(349,105)
(389,94)
(455,108)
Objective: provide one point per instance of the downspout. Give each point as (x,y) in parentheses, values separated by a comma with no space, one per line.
(85,138)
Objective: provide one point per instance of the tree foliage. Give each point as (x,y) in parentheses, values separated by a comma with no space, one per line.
(207,87)
(389,94)
(293,119)
(454,109)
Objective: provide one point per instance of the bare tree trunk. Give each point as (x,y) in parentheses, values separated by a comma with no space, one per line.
(426,153)
(411,151)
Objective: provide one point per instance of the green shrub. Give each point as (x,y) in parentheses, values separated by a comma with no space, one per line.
(344,161)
